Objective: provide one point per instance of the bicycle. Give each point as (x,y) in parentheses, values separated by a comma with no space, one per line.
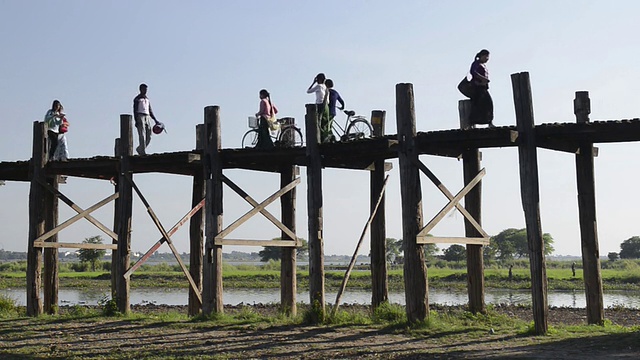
(355,127)
(288,134)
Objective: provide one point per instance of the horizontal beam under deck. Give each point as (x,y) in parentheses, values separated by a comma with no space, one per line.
(358,154)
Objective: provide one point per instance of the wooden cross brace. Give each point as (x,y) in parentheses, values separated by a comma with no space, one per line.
(166,237)
(171,231)
(258,208)
(78,209)
(454,201)
(81,214)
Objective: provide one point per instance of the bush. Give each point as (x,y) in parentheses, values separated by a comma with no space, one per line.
(389,313)
(15,266)
(108,306)
(79,267)
(7,305)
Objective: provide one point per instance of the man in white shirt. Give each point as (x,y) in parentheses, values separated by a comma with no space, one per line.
(143,114)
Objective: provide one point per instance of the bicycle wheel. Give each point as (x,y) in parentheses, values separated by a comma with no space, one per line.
(358,129)
(290,136)
(250,139)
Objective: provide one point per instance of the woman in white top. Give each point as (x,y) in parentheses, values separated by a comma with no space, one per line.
(322,105)
(53,120)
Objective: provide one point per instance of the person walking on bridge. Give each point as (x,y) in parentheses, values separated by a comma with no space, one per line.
(481,102)
(143,114)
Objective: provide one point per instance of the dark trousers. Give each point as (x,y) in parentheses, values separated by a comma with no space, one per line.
(481,106)
(53,143)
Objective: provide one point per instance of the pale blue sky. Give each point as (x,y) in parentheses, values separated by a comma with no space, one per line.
(92,55)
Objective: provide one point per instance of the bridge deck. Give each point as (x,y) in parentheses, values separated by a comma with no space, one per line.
(351,155)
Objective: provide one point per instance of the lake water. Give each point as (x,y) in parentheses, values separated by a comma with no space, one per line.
(575,299)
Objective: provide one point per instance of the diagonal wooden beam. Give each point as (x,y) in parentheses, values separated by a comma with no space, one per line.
(449,196)
(75,218)
(171,231)
(257,209)
(254,203)
(352,263)
(166,236)
(452,203)
(78,209)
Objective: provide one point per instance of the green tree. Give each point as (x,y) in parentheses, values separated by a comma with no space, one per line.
(613,256)
(393,249)
(275,252)
(455,253)
(91,256)
(512,243)
(630,248)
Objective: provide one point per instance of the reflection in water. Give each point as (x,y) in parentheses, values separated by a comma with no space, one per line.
(576,299)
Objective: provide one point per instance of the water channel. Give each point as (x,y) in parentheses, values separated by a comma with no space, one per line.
(575,299)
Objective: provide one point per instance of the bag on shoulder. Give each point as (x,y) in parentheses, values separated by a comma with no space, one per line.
(274,125)
(465,87)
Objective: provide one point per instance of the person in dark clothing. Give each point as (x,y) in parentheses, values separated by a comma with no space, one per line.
(334,99)
(481,102)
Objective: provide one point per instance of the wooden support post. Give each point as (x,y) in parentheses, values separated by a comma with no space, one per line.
(50,281)
(529,188)
(116,226)
(125,210)
(288,287)
(36,219)
(379,282)
(587,210)
(212,258)
(415,268)
(196,228)
(472,202)
(314,211)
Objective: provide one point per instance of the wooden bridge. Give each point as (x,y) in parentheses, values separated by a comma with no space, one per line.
(207,161)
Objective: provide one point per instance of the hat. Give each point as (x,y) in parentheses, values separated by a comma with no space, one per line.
(158,128)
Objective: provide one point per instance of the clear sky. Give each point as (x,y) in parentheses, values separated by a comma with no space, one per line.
(91,55)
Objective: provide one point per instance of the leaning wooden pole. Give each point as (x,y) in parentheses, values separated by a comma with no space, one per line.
(125,211)
(529,189)
(212,257)
(415,268)
(36,219)
(587,209)
(314,212)
(288,286)
(51,282)
(472,202)
(196,230)
(379,281)
(116,226)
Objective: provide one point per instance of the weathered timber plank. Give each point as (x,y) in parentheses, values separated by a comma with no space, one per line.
(414,268)
(585,179)
(453,240)
(529,188)
(57,245)
(248,242)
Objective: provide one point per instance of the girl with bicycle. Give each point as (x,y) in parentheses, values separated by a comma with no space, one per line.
(266,111)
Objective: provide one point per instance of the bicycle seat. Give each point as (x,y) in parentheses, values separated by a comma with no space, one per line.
(349,112)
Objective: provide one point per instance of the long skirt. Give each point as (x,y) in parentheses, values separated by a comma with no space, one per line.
(264,135)
(62,150)
(481,106)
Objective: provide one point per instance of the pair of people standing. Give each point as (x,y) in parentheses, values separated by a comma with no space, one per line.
(57,126)
(327,99)
(476,87)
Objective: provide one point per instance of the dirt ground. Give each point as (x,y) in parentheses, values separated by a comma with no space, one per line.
(119,338)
